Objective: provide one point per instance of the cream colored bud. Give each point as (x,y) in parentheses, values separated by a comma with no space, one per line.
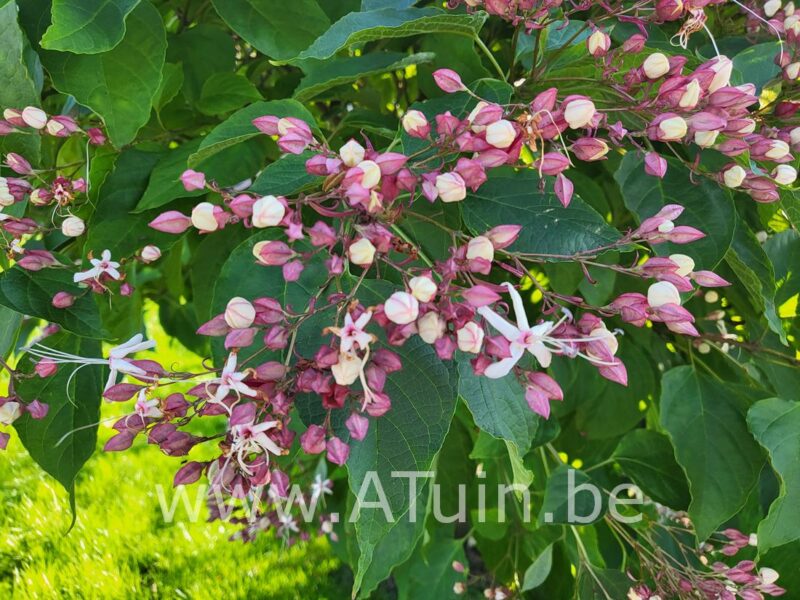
(423,288)
(431,327)
(656,65)
(691,96)
(34,117)
(203,217)
(500,134)
(347,370)
(371,174)
(579,112)
(352,153)
(239,313)
(150,253)
(470,338)
(73,226)
(784,174)
(771,7)
(705,139)
(268,212)
(401,308)
(722,68)
(480,247)
(661,293)
(10,412)
(451,187)
(734,176)
(361,253)
(672,129)
(685,264)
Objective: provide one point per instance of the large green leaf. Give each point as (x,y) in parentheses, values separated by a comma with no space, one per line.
(31,293)
(752,266)
(362,27)
(119,85)
(10,320)
(498,407)
(776,425)
(566,501)
(73,415)
(429,572)
(279,31)
(203,51)
(225,92)
(706,423)
(513,196)
(18,89)
(321,76)
(239,126)
(87,26)
(708,207)
(648,459)
(406,438)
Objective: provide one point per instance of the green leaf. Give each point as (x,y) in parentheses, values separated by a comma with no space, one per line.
(224,92)
(10,322)
(287,176)
(708,207)
(170,86)
(74,401)
(406,438)
(87,26)
(647,457)
(322,76)
(602,584)
(706,423)
(752,266)
(363,27)
(776,425)
(226,168)
(549,229)
(755,65)
(31,293)
(18,89)
(121,84)
(239,126)
(280,32)
(429,572)
(498,407)
(560,496)
(537,573)
(203,51)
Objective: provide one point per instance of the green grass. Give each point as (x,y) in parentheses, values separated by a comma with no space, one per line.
(121,547)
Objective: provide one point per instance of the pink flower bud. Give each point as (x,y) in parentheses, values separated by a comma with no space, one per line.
(598,43)
(667,127)
(63,300)
(292,270)
(358,426)
(416,124)
(709,279)
(36,260)
(669,10)
(563,189)
(193,180)
(503,236)
(267,124)
(312,441)
(276,338)
(268,212)
(480,247)
(338,451)
(214,327)
(590,149)
(61,126)
(14,117)
(655,164)
(391,162)
(634,44)
(706,121)
(96,136)
(448,81)
(122,392)
(150,253)
(126,289)
(46,367)
(18,164)
(401,308)
(545,101)
(335,265)
(171,222)
(272,253)
(188,473)
(38,410)
(578,111)
(552,163)
(480,295)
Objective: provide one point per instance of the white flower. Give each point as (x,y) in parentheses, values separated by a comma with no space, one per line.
(320,487)
(771,7)
(723,68)
(251,438)
(103,265)
(672,129)
(147,408)
(230,381)
(268,211)
(353,334)
(522,336)
(348,369)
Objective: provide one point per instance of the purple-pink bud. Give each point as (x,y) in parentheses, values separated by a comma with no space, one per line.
(312,441)
(38,410)
(480,295)
(171,222)
(273,253)
(188,473)
(357,425)
(338,451)
(193,180)
(503,236)
(18,164)
(655,164)
(63,300)
(46,367)
(267,124)
(448,81)
(552,163)
(564,189)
